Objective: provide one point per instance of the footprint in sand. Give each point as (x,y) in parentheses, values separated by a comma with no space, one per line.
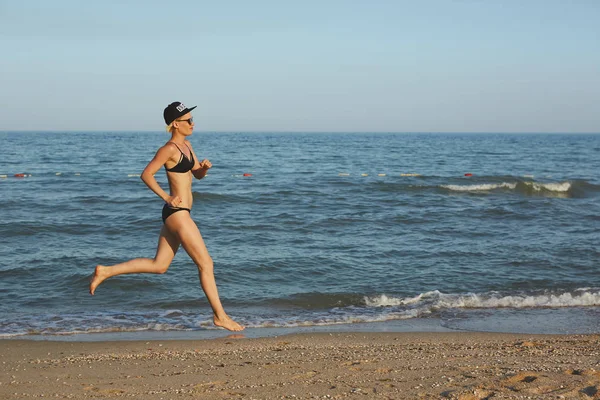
(522,377)
(582,372)
(531,383)
(526,377)
(591,391)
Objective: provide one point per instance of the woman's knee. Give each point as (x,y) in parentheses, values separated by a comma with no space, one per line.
(205,264)
(194,245)
(161,266)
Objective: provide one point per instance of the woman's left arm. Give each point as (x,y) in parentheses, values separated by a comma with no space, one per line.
(200,168)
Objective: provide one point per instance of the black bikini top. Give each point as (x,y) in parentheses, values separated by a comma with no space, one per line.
(185,164)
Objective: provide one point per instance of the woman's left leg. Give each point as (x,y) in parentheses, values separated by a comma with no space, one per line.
(168,243)
(189,235)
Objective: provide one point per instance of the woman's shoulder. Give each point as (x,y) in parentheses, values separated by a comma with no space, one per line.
(168,148)
(169,145)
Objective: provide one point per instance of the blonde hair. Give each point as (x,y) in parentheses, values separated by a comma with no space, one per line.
(170,127)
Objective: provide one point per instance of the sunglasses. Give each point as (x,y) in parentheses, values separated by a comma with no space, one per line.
(189,121)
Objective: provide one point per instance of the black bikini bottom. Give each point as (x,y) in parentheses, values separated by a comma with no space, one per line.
(167,211)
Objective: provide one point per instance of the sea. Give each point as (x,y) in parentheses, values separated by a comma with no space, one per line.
(309,232)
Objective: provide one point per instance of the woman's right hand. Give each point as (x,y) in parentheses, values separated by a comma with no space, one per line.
(174,201)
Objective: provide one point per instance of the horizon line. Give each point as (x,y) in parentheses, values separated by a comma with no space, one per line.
(300,131)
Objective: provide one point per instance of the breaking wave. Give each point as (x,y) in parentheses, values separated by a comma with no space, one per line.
(557,189)
(481,187)
(436,300)
(365,309)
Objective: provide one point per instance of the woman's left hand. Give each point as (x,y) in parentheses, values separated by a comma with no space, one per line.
(205,164)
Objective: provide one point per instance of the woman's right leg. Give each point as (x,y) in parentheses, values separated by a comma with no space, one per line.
(168,243)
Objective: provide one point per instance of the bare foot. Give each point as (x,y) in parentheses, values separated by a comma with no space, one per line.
(228,324)
(97,278)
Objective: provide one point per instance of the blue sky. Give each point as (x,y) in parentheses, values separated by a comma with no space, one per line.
(328,65)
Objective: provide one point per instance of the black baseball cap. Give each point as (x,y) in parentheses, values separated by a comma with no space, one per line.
(174,111)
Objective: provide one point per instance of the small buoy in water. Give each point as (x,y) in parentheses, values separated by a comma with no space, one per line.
(247,174)
(468,174)
(77,174)
(19,175)
(3,176)
(58,173)
(343,174)
(364,174)
(410,174)
(380,174)
(133,175)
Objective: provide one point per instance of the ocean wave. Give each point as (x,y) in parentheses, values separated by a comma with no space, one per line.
(530,188)
(354,310)
(480,187)
(436,300)
(337,320)
(107,329)
(192,323)
(552,187)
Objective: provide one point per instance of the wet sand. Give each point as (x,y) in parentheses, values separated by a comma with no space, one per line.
(461,366)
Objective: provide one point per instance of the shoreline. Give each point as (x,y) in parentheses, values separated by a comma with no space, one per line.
(392,326)
(387,365)
(562,321)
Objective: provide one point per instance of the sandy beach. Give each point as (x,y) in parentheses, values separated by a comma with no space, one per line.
(331,365)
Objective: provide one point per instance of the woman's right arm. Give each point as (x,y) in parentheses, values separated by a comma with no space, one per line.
(160,158)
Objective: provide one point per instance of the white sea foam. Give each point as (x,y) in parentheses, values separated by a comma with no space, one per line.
(338,320)
(385,301)
(536,186)
(374,309)
(552,187)
(436,300)
(481,187)
(172,313)
(10,335)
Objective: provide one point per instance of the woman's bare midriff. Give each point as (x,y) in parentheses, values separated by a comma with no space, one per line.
(180,184)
